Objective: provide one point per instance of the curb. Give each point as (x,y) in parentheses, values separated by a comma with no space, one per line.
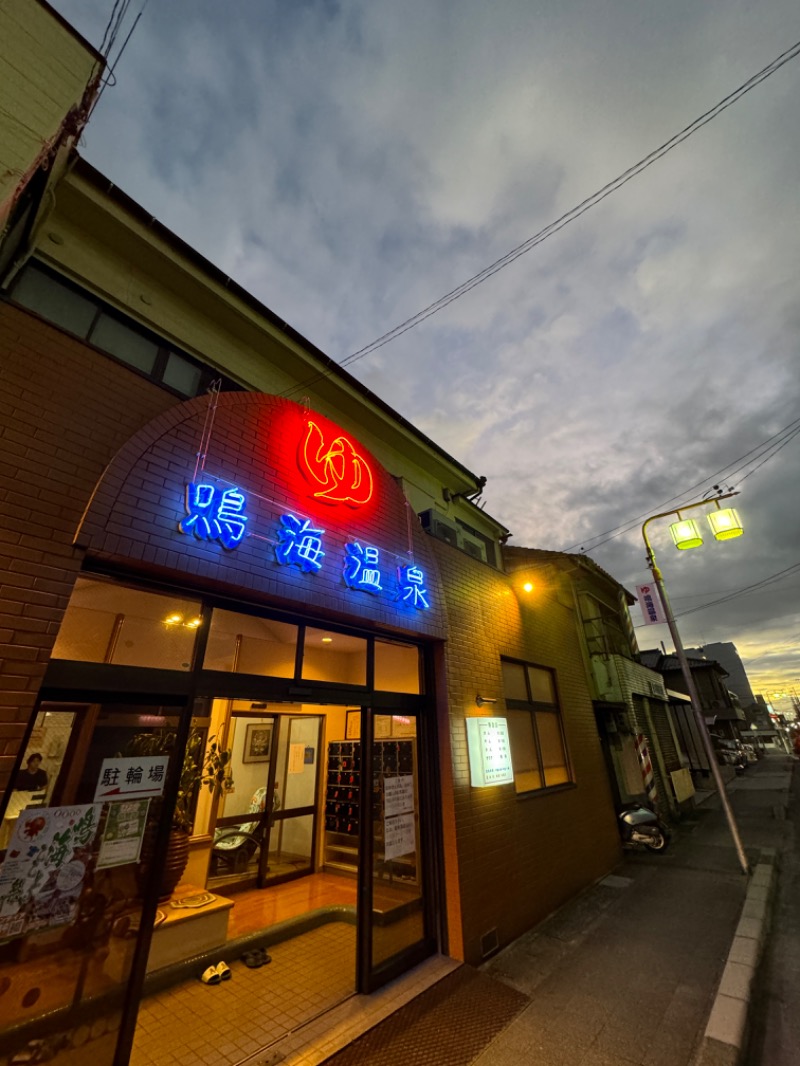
(725,1037)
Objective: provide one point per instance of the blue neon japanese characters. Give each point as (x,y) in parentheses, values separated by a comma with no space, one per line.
(361,568)
(214,514)
(412,587)
(299,544)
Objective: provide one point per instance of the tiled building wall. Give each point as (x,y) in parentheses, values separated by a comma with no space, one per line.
(518,857)
(64,411)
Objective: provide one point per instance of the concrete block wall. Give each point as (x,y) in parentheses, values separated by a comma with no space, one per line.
(518,857)
(64,411)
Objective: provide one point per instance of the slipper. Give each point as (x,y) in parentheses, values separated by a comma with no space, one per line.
(210,976)
(256,958)
(224,971)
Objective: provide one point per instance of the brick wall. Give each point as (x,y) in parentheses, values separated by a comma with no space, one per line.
(517,858)
(64,411)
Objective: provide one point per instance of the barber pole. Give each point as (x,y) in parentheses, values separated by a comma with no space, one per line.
(647,767)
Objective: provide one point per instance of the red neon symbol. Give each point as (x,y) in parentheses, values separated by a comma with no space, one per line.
(342,474)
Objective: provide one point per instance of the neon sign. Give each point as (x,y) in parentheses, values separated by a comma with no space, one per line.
(412,587)
(299,544)
(337,471)
(214,514)
(362,568)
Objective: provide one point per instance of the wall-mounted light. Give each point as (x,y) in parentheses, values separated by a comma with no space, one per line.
(686,533)
(327,640)
(481,700)
(528,586)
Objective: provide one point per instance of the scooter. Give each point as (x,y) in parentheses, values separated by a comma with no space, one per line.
(641,827)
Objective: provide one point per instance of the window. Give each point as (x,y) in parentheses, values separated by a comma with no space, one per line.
(538,750)
(108,622)
(86,316)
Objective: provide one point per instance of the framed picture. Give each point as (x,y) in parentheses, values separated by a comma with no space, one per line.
(257,742)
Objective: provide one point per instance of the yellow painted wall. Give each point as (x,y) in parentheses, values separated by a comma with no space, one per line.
(44,70)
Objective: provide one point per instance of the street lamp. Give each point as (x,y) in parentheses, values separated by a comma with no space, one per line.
(686,534)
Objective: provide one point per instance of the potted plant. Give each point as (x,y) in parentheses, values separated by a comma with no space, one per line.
(209,768)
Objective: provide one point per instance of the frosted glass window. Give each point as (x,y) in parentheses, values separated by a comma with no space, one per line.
(514,685)
(538,751)
(58,304)
(541,682)
(182,375)
(125,344)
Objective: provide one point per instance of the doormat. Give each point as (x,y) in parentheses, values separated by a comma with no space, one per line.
(448,1025)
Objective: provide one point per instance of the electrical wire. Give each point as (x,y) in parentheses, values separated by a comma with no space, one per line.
(746,589)
(764,583)
(774,443)
(564,220)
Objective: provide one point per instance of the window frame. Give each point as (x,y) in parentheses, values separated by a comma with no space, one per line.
(532,707)
(164,348)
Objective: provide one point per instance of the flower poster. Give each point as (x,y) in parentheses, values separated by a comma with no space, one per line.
(46,863)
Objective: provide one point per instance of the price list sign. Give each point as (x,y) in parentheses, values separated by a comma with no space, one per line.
(489,752)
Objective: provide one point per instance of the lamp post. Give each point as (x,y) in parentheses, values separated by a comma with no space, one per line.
(686,535)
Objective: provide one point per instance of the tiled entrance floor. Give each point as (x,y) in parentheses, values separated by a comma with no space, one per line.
(297,1010)
(193,1024)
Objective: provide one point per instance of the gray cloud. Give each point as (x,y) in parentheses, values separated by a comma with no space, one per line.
(350,162)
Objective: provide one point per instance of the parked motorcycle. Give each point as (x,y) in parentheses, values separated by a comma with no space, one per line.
(641,827)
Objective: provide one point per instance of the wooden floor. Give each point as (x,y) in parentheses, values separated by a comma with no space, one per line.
(256,909)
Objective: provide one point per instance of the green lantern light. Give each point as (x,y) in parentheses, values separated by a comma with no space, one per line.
(725,523)
(686,533)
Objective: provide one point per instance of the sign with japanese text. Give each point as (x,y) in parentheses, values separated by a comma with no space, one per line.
(48,857)
(489,752)
(399,837)
(398,795)
(123,833)
(132,778)
(650,602)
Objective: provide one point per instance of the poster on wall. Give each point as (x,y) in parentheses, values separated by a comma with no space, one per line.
(398,795)
(122,836)
(399,836)
(49,854)
(297,758)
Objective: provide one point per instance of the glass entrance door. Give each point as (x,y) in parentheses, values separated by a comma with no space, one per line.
(394,925)
(265,826)
(289,848)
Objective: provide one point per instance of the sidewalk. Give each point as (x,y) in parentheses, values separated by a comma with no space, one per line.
(629,973)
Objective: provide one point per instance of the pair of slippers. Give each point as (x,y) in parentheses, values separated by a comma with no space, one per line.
(215,974)
(255,958)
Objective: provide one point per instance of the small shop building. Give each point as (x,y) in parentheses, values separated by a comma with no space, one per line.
(262,639)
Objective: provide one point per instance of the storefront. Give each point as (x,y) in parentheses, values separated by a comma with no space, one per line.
(246,656)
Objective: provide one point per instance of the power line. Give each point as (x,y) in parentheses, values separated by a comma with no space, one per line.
(777,441)
(564,220)
(763,583)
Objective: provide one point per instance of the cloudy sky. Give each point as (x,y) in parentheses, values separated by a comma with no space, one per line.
(349,162)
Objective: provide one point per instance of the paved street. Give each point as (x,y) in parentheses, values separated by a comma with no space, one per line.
(628,973)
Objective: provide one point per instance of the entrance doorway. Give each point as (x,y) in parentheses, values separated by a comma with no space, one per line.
(327,727)
(264,827)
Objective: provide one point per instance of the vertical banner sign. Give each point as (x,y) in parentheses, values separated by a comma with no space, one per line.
(647,767)
(650,602)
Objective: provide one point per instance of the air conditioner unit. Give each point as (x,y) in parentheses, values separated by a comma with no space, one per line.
(440,527)
(472,546)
